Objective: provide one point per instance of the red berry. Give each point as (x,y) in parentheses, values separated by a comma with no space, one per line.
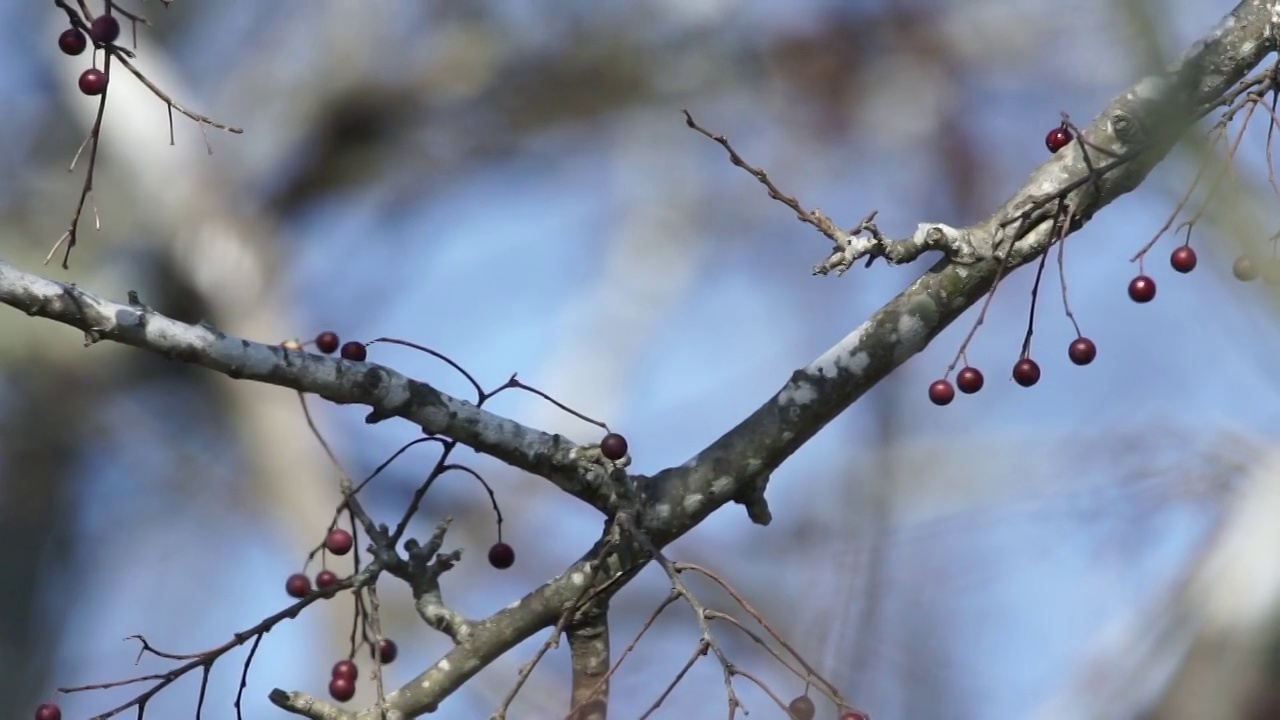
(1026,372)
(852,715)
(1244,269)
(298,585)
(72,41)
(93,82)
(1142,289)
(802,708)
(969,380)
(387,651)
(48,711)
(1057,139)
(325,578)
(1082,351)
(346,670)
(339,541)
(342,689)
(354,350)
(613,446)
(1183,259)
(327,342)
(104,29)
(941,392)
(502,556)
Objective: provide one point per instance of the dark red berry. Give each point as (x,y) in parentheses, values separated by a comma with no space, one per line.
(48,711)
(802,708)
(104,29)
(502,556)
(852,715)
(1057,139)
(72,42)
(387,651)
(354,350)
(613,446)
(325,578)
(1026,372)
(346,670)
(1244,269)
(1183,259)
(1142,289)
(941,392)
(93,82)
(1082,351)
(969,380)
(339,541)
(342,689)
(298,585)
(327,342)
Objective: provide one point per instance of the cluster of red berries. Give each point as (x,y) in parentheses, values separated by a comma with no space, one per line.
(338,542)
(342,681)
(327,343)
(48,711)
(104,30)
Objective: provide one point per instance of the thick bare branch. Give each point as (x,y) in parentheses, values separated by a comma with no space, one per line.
(589,656)
(1140,125)
(387,392)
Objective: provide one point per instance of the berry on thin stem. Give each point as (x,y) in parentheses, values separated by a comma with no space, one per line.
(345,669)
(941,392)
(104,29)
(325,578)
(48,711)
(339,541)
(1183,259)
(387,651)
(327,342)
(801,708)
(613,446)
(1026,372)
(1082,351)
(354,350)
(1244,269)
(502,556)
(342,689)
(969,380)
(93,82)
(298,585)
(1057,139)
(1142,289)
(72,41)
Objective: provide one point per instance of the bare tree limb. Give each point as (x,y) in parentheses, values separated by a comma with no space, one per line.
(589,657)
(387,392)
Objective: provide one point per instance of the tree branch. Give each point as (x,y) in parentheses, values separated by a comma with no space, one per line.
(387,392)
(589,656)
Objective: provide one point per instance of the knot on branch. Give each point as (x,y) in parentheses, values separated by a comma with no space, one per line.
(852,246)
(426,565)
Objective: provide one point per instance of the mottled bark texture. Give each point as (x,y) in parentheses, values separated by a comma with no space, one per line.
(1133,133)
